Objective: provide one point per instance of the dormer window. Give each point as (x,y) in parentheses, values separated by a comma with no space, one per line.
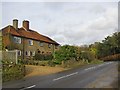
(17,39)
(30,42)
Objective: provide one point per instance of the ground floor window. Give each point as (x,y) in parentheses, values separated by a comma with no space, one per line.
(19,52)
(33,54)
(30,53)
(27,53)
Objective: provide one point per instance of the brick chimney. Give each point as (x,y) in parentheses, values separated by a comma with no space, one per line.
(15,24)
(26,24)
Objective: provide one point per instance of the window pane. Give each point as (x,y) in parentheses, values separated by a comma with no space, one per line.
(17,39)
(19,53)
(33,54)
(30,42)
(41,44)
(28,53)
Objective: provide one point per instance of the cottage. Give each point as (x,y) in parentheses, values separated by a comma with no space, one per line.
(28,42)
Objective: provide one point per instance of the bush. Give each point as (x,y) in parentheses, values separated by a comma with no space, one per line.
(42,63)
(48,57)
(66,52)
(87,55)
(51,63)
(57,62)
(43,56)
(12,71)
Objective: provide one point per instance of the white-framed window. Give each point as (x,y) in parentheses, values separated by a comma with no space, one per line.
(30,42)
(27,53)
(41,44)
(30,53)
(17,39)
(33,54)
(19,52)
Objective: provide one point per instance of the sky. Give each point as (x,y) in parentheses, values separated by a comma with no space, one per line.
(73,23)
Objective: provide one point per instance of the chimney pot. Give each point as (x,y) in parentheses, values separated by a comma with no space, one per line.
(15,24)
(26,24)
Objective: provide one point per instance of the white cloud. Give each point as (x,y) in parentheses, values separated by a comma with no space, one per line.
(69,23)
(83,27)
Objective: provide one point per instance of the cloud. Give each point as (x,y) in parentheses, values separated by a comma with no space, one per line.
(107,21)
(72,28)
(68,22)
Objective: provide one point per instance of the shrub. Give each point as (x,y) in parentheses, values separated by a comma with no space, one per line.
(42,63)
(43,56)
(12,71)
(51,63)
(66,52)
(87,55)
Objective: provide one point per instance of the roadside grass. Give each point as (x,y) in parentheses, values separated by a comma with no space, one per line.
(96,62)
(71,64)
(48,67)
(15,72)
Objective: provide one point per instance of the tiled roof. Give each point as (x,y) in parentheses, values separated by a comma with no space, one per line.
(21,32)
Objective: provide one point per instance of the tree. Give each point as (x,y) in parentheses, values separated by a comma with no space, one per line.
(109,46)
(66,52)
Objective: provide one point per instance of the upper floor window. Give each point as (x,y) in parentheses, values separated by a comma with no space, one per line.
(17,39)
(30,42)
(41,44)
(56,46)
(49,45)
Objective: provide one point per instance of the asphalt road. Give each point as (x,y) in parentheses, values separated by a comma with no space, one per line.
(85,77)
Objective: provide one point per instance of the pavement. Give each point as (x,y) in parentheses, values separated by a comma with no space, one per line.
(90,76)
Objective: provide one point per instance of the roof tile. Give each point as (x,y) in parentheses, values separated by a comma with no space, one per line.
(28,34)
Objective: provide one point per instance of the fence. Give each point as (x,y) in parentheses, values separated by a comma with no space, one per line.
(11,56)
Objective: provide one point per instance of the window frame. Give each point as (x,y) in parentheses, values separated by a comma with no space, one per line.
(33,53)
(27,53)
(30,42)
(41,43)
(19,53)
(17,40)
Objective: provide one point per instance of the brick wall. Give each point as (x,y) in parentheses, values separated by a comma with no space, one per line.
(11,45)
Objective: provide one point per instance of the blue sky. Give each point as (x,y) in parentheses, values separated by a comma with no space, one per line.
(74,23)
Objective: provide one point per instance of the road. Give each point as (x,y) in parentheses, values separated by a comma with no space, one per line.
(90,76)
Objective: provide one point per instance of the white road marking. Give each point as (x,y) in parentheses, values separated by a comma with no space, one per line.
(97,66)
(31,86)
(28,87)
(65,76)
(90,68)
